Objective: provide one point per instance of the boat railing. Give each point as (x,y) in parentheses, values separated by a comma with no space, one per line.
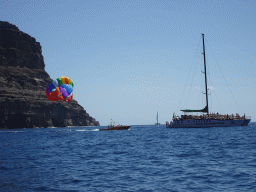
(212,116)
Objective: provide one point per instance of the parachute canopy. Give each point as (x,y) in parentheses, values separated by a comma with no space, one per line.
(60,89)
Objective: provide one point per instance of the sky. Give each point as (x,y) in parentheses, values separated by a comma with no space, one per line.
(129,59)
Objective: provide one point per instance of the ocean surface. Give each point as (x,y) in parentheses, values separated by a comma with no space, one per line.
(143,158)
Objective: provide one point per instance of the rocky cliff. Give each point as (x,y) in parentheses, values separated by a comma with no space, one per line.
(23,82)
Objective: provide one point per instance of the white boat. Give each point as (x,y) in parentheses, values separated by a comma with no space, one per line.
(206,120)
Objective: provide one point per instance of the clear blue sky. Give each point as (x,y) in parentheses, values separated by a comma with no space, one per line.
(129,59)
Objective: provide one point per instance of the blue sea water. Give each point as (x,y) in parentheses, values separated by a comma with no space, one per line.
(143,158)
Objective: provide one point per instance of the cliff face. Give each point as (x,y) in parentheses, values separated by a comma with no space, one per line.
(23,82)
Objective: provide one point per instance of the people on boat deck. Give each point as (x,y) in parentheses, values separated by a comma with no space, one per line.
(209,116)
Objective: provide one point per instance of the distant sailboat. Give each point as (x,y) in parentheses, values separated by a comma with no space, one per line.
(208,120)
(157,119)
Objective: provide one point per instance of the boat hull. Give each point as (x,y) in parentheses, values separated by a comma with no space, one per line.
(116,128)
(212,123)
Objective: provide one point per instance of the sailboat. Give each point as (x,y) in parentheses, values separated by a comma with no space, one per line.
(206,120)
(157,119)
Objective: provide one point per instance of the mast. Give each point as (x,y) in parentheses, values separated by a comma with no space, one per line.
(205,77)
(206,109)
(157,117)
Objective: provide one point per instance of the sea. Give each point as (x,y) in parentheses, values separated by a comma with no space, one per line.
(143,158)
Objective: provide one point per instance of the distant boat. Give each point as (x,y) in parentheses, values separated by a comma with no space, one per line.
(207,120)
(157,119)
(112,126)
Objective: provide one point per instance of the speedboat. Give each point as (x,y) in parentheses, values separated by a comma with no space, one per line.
(112,126)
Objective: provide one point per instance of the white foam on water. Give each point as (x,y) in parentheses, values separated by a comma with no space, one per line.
(88,130)
(12,131)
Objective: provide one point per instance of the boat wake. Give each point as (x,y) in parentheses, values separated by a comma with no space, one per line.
(88,130)
(13,131)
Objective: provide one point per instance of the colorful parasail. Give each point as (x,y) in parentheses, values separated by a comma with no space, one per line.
(60,89)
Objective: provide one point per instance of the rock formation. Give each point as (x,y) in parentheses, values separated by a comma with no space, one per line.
(23,81)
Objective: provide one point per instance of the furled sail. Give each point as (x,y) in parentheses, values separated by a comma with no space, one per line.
(204,110)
